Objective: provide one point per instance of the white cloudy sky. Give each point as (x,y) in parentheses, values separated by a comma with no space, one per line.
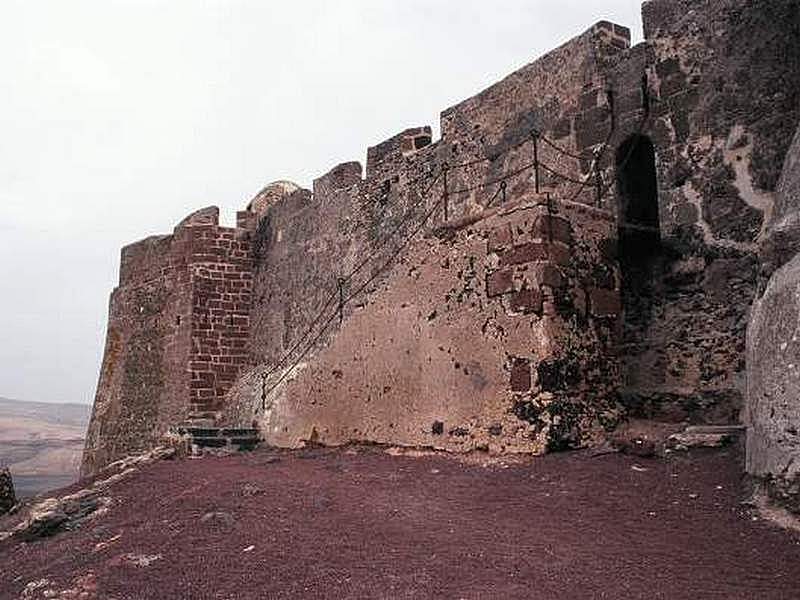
(118,117)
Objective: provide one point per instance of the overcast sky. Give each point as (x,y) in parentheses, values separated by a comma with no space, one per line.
(119,117)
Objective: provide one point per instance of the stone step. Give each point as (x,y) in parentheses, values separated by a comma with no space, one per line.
(703,436)
(202,413)
(247,443)
(199,431)
(220,438)
(243,443)
(224,432)
(201,423)
(716,429)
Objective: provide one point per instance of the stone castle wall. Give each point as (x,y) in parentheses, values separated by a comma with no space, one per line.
(263,337)
(178,325)
(306,241)
(496,334)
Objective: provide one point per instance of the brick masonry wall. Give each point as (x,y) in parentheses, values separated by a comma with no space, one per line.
(178,324)
(222,277)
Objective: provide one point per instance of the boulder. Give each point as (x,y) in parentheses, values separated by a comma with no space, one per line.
(46,519)
(782,239)
(8,498)
(773,380)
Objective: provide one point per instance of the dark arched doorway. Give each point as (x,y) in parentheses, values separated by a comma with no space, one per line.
(637,191)
(639,258)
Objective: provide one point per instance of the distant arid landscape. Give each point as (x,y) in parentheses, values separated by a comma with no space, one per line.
(41,443)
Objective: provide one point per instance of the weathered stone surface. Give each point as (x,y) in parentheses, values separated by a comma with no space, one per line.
(499,282)
(782,240)
(773,378)
(8,498)
(460,366)
(720,115)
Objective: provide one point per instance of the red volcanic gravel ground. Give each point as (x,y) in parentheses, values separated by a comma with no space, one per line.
(364,524)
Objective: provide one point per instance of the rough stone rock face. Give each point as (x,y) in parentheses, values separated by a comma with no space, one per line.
(773,366)
(773,355)
(7,496)
(721,117)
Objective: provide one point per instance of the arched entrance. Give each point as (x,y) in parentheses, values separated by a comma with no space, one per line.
(639,258)
(637,191)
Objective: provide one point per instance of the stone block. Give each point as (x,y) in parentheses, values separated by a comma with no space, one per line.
(559,254)
(526,301)
(520,379)
(499,282)
(589,133)
(500,239)
(553,228)
(523,253)
(552,276)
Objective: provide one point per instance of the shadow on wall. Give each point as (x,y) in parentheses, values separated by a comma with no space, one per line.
(639,246)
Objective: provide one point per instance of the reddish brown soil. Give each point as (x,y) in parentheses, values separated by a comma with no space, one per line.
(333,524)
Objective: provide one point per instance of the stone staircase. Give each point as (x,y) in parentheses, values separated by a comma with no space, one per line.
(208,439)
(200,416)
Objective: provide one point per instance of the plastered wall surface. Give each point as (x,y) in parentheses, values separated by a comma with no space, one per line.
(489,337)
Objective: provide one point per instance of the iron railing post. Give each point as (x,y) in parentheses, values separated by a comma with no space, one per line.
(598,184)
(340,285)
(445,194)
(535,136)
